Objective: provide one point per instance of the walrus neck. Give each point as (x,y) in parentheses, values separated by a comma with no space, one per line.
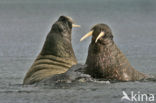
(67,37)
(98,57)
(57,45)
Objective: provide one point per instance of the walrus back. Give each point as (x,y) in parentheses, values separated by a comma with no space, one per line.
(122,69)
(45,66)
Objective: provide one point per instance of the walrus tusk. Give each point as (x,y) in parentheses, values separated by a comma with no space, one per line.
(100,35)
(74,25)
(87,35)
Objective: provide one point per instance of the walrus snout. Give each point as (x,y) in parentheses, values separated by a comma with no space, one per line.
(101,34)
(98,31)
(69,19)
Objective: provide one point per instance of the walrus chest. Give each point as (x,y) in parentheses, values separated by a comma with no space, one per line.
(105,56)
(102,60)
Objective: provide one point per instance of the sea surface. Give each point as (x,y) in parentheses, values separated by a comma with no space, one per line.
(24,25)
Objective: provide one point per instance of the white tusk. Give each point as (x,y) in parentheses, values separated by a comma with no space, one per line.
(87,35)
(74,25)
(100,35)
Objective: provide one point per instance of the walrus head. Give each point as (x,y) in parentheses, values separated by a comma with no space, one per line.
(100,33)
(58,41)
(63,26)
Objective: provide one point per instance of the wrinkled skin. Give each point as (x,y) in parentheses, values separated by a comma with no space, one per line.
(57,54)
(105,60)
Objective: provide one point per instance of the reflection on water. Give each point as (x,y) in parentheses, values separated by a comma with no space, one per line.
(24,25)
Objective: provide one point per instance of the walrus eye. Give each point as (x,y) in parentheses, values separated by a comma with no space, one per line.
(74,25)
(100,35)
(87,35)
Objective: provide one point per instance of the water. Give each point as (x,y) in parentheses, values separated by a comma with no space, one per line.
(24,25)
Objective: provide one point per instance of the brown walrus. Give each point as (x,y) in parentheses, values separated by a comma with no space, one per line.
(57,54)
(105,60)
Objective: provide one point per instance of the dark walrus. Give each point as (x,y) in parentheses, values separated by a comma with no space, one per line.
(57,54)
(105,60)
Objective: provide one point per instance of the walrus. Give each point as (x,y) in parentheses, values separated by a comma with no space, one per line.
(57,54)
(105,60)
